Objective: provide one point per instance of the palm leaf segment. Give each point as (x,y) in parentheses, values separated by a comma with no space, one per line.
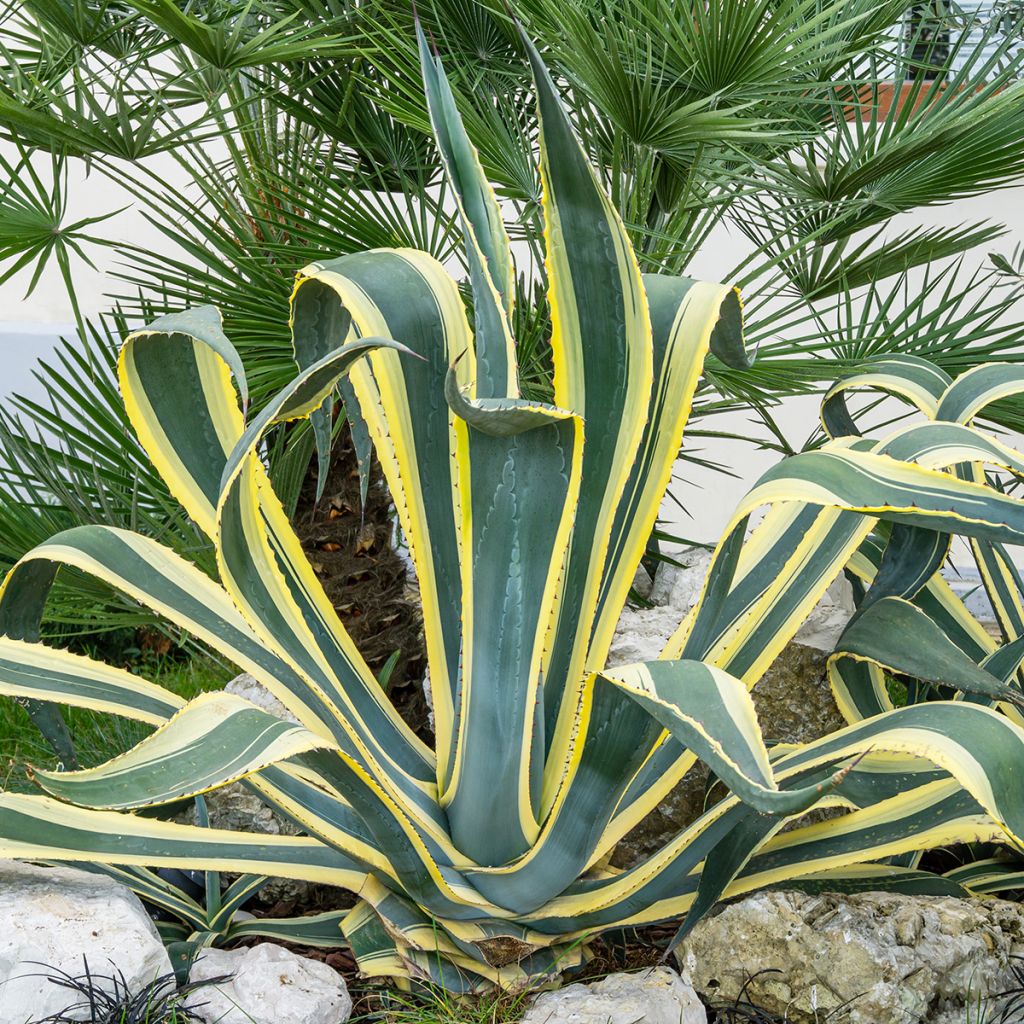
(482,861)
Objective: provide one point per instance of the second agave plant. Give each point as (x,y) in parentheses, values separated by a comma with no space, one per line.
(483,860)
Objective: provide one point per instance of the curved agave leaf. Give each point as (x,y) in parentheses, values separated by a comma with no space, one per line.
(41,828)
(988,876)
(712,714)
(215,739)
(877,878)
(36,672)
(162,369)
(909,378)
(879,485)
(405,294)
(977,388)
(157,577)
(896,636)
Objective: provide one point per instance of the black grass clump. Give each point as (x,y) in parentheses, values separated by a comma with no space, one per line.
(1008,1006)
(107,999)
(741,1011)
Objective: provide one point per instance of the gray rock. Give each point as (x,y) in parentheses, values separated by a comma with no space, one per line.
(57,919)
(793,699)
(268,985)
(240,809)
(642,632)
(884,958)
(654,996)
(255,692)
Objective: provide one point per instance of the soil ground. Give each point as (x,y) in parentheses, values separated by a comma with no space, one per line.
(351,552)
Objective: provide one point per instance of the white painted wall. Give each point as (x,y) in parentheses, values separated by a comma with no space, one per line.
(31,324)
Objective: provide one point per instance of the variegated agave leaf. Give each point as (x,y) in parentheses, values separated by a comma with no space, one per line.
(480,861)
(909,624)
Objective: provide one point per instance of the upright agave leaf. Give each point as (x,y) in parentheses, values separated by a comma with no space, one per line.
(480,861)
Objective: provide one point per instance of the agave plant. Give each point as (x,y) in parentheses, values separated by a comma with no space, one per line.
(484,859)
(910,627)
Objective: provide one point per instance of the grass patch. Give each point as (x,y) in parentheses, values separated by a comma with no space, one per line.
(98,736)
(439,1007)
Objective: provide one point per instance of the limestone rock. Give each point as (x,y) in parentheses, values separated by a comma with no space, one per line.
(268,985)
(823,627)
(793,698)
(641,632)
(882,956)
(655,996)
(643,584)
(240,809)
(428,696)
(58,919)
(255,692)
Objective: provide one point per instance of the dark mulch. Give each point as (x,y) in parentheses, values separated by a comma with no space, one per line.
(352,555)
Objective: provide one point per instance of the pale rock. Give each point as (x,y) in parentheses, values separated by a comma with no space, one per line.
(823,627)
(885,958)
(59,919)
(642,632)
(240,809)
(680,585)
(428,696)
(654,996)
(249,688)
(642,582)
(267,984)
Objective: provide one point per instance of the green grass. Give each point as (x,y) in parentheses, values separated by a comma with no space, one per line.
(440,1007)
(97,736)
